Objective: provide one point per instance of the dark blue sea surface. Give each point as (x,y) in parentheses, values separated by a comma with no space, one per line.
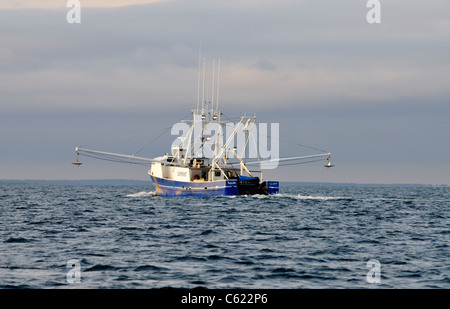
(305,237)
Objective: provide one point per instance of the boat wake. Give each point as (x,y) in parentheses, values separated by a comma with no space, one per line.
(321,198)
(312,197)
(142,194)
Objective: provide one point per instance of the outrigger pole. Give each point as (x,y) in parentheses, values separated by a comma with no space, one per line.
(323,155)
(104,155)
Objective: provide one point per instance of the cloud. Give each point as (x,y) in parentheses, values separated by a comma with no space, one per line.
(317,67)
(51,4)
(292,53)
(299,36)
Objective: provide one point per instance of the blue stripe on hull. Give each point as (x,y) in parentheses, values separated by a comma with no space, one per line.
(166,187)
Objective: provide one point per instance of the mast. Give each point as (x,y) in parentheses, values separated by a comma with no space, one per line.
(212,88)
(218,80)
(198,79)
(203,87)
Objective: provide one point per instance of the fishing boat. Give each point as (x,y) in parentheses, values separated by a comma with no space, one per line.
(207,159)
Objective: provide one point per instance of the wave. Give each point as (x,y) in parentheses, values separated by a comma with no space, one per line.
(322,198)
(316,198)
(142,194)
(17,240)
(259,196)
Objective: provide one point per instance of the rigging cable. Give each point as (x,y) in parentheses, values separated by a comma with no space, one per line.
(284,140)
(152,141)
(311,161)
(104,158)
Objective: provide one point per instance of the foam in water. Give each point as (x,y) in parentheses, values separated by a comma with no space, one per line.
(311,197)
(320,198)
(142,194)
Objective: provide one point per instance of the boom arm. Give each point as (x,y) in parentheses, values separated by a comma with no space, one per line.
(324,155)
(113,155)
(122,156)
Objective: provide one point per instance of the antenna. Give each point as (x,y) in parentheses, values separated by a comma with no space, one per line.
(218,80)
(203,86)
(212,89)
(198,80)
(208,101)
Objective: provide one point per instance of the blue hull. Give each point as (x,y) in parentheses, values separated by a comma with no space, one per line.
(166,187)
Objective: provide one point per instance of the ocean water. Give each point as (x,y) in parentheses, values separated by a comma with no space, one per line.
(96,237)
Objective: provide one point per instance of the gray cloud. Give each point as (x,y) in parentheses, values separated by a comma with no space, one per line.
(313,47)
(278,58)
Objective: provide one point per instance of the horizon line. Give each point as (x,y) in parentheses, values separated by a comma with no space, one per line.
(117,180)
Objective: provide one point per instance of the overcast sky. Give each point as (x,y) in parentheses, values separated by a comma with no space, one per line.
(376,96)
